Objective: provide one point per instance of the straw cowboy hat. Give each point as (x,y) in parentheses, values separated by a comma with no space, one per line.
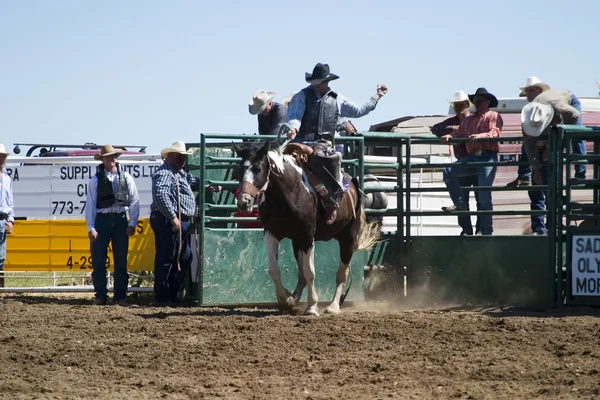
(458,97)
(177,147)
(286,100)
(3,149)
(484,93)
(107,150)
(536,117)
(533,81)
(259,101)
(320,74)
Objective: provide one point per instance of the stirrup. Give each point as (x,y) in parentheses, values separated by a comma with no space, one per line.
(321,190)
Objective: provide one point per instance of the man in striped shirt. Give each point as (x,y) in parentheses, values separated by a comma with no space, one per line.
(483,124)
(172,211)
(7,214)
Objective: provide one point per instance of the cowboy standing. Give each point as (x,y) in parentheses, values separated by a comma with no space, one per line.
(461,105)
(270,113)
(550,107)
(483,124)
(172,211)
(533,88)
(111,196)
(7,214)
(314,115)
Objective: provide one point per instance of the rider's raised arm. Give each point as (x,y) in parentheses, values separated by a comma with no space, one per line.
(350,110)
(296,110)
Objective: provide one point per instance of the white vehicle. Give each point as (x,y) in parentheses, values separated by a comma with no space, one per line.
(49,194)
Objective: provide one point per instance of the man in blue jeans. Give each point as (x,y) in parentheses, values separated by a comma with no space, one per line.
(481,125)
(550,107)
(460,102)
(112,197)
(533,88)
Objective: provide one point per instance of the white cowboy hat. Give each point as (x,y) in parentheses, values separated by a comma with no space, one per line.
(3,150)
(459,96)
(286,100)
(536,117)
(177,147)
(534,81)
(259,101)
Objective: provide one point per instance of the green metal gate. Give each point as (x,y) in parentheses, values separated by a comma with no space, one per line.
(233,261)
(582,242)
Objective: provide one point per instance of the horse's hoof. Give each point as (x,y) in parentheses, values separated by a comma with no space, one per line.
(311,312)
(332,309)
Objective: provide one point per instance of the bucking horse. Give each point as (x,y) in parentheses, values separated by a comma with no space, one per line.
(276,176)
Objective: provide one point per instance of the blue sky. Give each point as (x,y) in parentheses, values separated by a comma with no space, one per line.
(152,72)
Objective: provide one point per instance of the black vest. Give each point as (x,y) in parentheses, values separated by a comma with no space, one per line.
(106,197)
(320,115)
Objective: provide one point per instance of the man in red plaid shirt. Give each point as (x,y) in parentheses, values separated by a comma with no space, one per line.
(481,125)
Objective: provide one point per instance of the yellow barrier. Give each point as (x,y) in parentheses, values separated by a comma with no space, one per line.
(63,245)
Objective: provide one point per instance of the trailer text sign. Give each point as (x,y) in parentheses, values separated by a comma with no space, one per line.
(585,265)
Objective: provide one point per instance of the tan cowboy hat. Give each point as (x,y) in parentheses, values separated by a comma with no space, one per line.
(286,100)
(107,150)
(177,147)
(536,117)
(3,150)
(533,81)
(259,101)
(459,96)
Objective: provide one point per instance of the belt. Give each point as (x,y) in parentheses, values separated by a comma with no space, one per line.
(111,213)
(480,152)
(184,218)
(3,216)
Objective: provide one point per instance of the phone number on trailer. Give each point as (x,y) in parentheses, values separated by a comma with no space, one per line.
(68,207)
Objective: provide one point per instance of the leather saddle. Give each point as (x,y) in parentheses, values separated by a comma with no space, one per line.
(322,167)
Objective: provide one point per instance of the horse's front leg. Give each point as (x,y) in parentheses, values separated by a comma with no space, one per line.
(306,260)
(284,297)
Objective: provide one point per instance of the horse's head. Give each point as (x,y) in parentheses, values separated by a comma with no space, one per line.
(253,172)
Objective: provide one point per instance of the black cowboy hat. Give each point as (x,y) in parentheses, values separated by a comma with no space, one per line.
(320,74)
(484,93)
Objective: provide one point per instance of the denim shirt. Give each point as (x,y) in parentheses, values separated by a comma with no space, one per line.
(6,200)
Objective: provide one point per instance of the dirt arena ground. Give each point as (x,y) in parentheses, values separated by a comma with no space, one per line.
(64,348)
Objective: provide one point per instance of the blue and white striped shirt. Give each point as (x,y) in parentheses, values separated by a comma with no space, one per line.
(6,199)
(164,191)
(346,108)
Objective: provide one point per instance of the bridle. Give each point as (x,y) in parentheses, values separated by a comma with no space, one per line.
(251,190)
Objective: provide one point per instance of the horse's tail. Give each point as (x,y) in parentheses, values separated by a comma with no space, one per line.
(369,233)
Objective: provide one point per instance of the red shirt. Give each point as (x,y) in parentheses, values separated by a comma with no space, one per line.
(488,125)
(253,213)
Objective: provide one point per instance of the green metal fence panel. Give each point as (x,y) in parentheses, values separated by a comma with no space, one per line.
(506,270)
(235,269)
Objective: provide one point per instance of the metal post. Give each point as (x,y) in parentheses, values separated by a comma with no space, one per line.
(408,236)
(201,217)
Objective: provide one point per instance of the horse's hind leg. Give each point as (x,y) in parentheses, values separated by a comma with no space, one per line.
(346,250)
(306,260)
(301,279)
(284,297)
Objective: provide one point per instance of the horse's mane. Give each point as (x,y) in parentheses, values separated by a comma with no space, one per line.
(299,152)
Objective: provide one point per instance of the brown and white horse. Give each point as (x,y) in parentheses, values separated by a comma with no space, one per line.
(289,209)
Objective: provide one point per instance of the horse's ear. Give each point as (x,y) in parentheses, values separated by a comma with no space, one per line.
(235,147)
(265,148)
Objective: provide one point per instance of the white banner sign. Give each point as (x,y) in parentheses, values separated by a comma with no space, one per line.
(585,265)
(59,191)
